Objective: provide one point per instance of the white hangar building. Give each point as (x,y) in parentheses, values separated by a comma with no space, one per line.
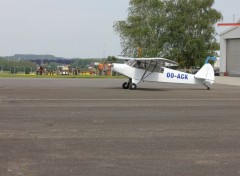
(230,52)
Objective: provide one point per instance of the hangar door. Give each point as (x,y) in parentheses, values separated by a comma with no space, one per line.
(233,57)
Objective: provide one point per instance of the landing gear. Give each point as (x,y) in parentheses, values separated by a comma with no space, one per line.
(129,85)
(208,88)
(125,85)
(133,86)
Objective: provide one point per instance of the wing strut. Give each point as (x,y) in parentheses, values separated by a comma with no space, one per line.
(151,71)
(146,71)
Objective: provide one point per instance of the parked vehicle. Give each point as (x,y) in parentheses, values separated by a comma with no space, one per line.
(216,71)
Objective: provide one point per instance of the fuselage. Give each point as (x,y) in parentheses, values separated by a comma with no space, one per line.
(162,75)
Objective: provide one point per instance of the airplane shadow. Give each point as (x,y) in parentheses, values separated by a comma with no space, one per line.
(170,89)
(152,89)
(138,89)
(157,89)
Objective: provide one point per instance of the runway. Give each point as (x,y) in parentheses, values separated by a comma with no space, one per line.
(59,127)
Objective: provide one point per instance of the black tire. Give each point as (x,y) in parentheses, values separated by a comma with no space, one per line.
(133,86)
(125,85)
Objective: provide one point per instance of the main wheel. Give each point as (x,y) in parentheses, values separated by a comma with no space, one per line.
(125,85)
(133,86)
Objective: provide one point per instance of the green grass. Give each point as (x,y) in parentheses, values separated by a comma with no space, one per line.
(8,75)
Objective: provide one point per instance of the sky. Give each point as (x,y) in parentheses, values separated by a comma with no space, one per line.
(72,28)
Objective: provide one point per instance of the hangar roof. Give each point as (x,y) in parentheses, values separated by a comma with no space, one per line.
(229,30)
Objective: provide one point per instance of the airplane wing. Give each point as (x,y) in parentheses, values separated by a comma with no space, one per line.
(157,58)
(147,59)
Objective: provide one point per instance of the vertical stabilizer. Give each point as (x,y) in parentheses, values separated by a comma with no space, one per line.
(206,73)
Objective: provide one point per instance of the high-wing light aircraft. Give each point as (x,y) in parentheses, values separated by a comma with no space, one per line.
(160,70)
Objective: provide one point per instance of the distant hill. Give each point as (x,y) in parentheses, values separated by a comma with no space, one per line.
(36,57)
(50,59)
(39,59)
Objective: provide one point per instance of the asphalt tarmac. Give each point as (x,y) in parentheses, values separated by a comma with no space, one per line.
(92,127)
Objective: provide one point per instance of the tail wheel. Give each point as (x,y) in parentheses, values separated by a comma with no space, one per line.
(133,86)
(208,88)
(125,85)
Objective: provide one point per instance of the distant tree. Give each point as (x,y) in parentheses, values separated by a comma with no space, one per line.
(190,34)
(83,63)
(181,30)
(15,65)
(111,59)
(27,70)
(144,28)
(52,66)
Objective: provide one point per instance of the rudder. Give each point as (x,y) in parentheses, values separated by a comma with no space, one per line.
(206,73)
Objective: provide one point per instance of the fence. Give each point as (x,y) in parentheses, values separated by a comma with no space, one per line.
(17,70)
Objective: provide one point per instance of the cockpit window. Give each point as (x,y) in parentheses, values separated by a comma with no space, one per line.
(140,64)
(130,62)
(150,65)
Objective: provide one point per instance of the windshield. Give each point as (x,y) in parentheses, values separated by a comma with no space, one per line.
(130,62)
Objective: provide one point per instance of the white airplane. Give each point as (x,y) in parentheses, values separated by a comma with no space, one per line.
(159,70)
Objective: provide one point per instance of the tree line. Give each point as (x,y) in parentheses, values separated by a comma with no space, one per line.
(15,65)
